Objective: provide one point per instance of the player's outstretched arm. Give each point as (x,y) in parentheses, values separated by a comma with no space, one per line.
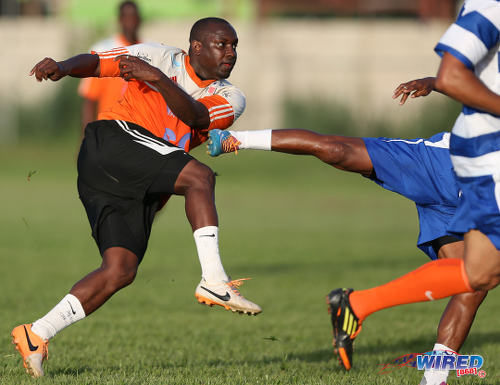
(414,89)
(192,112)
(80,66)
(457,81)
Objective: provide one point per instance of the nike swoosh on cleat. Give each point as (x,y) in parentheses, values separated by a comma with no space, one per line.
(30,345)
(225,297)
(72,310)
(208,235)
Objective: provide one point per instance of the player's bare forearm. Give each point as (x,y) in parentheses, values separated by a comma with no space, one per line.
(414,89)
(455,80)
(80,66)
(190,111)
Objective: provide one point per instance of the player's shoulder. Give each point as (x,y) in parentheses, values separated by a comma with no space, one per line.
(154,53)
(234,96)
(230,92)
(488,8)
(105,44)
(224,86)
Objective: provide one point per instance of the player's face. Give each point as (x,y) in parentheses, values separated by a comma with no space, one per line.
(129,21)
(218,52)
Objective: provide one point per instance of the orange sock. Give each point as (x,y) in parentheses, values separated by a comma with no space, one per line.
(434,280)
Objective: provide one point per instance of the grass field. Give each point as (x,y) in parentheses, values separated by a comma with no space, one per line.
(297,227)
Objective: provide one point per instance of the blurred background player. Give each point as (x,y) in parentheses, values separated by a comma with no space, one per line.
(419,169)
(99,94)
(134,155)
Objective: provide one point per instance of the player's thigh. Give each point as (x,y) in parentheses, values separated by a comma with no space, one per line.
(482,261)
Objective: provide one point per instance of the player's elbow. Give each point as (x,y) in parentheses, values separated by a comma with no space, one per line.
(445,83)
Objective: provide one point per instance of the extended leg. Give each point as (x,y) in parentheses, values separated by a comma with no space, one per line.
(344,153)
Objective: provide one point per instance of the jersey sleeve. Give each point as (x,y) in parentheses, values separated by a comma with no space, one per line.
(472,35)
(109,66)
(224,107)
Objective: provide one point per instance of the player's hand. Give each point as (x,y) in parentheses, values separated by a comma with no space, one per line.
(414,89)
(48,68)
(132,67)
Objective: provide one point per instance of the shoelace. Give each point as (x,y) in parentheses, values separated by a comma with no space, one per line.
(236,283)
(230,144)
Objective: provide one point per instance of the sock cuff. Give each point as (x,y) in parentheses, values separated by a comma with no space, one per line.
(441,347)
(207,230)
(465,278)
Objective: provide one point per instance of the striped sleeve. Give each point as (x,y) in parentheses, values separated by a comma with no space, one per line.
(471,37)
(221,112)
(109,67)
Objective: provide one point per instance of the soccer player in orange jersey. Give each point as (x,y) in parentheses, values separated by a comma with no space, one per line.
(100,93)
(134,155)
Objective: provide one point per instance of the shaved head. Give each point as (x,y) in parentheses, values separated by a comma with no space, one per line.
(206,25)
(212,48)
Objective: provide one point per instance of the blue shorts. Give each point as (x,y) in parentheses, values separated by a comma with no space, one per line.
(479,207)
(421,171)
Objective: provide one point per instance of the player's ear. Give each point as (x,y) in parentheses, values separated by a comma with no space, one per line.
(196,47)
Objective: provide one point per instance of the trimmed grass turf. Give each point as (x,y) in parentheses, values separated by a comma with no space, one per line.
(296,226)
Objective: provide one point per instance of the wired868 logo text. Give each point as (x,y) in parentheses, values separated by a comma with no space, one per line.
(439,360)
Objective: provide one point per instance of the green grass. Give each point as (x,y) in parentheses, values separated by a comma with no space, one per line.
(296,226)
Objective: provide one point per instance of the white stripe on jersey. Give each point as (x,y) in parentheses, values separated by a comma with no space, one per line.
(471,126)
(478,166)
(219,112)
(112,56)
(219,107)
(221,117)
(114,51)
(487,10)
(470,45)
(153,144)
(496,178)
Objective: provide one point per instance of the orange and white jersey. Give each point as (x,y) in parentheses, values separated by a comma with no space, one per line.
(105,91)
(142,104)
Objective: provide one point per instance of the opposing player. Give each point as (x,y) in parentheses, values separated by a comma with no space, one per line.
(419,169)
(470,73)
(99,94)
(135,155)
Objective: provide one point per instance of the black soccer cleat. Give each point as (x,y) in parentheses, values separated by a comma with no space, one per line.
(346,325)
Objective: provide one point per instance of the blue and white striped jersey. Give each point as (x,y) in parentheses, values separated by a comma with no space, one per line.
(474,39)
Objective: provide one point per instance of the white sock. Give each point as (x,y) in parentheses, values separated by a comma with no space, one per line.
(207,244)
(65,313)
(255,140)
(436,377)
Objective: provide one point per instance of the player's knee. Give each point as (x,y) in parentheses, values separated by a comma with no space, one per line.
(120,276)
(483,280)
(119,266)
(332,151)
(204,178)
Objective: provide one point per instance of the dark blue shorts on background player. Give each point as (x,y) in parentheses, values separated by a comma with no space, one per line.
(420,170)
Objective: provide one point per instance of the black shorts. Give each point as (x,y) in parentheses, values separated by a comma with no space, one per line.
(118,163)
